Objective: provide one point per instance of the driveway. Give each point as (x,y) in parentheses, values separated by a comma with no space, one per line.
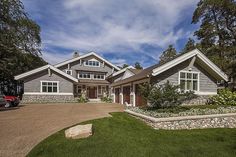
(24,127)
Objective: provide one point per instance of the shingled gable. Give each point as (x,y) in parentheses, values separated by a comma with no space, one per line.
(29,73)
(84,56)
(161,67)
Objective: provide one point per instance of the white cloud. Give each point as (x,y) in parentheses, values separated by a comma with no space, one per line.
(112,25)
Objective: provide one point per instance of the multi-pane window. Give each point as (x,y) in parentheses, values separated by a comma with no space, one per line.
(92,63)
(84,75)
(49,87)
(99,76)
(189,81)
(69,72)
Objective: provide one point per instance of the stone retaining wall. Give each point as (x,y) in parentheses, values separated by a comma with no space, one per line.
(189,122)
(47,98)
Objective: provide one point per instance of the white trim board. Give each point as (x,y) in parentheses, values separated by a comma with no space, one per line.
(187,56)
(18,77)
(83,56)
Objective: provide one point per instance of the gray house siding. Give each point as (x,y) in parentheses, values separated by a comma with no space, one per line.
(77,66)
(206,82)
(33,84)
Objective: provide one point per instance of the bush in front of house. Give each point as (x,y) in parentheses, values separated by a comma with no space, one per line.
(106,99)
(224,97)
(163,96)
(82,99)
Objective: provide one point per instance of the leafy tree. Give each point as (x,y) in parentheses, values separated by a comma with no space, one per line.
(217,32)
(137,65)
(190,45)
(168,54)
(19,44)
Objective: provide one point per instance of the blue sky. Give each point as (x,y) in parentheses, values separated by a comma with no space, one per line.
(121,31)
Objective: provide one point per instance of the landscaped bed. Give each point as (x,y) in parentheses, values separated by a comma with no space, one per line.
(123,135)
(184,110)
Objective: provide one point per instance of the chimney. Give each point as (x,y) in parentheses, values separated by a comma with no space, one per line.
(76,54)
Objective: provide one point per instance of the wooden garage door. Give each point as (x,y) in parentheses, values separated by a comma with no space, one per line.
(139,100)
(117,95)
(126,94)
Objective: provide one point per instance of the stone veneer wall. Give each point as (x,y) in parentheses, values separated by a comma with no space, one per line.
(47,98)
(189,122)
(220,122)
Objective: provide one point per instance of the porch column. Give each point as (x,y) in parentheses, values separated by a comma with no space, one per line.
(121,95)
(134,98)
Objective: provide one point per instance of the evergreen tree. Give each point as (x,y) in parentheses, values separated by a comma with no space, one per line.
(137,65)
(217,32)
(189,46)
(168,54)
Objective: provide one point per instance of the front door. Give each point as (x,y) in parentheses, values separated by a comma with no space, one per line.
(92,92)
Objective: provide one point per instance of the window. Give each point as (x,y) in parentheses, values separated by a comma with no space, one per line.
(101,90)
(69,72)
(92,63)
(49,87)
(84,75)
(79,90)
(189,81)
(99,76)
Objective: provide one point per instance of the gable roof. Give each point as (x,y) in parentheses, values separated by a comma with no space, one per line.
(122,70)
(21,76)
(83,56)
(161,67)
(187,56)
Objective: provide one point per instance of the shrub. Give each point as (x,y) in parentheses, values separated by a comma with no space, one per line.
(82,99)
(224,97)
(166,95)
(106,99)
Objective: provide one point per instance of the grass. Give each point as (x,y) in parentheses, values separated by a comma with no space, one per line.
(125,136)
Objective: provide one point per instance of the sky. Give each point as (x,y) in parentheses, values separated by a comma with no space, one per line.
(121,31)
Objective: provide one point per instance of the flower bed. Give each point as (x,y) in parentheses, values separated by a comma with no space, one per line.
(190,112)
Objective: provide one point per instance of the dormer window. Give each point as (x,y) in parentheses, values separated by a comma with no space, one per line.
(92,63)
(69,72)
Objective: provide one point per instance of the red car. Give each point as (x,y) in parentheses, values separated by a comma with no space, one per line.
(9,101)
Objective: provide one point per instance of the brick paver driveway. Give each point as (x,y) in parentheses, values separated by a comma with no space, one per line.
(22,128)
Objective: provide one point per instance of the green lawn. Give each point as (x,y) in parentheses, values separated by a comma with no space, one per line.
(125,136)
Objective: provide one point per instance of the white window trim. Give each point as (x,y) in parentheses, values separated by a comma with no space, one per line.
(198,79)
(85,78)
(98,78)
(41,87)
(93,60)
(70,72)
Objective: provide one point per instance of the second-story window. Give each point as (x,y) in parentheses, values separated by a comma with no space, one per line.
(69,72)
(84,75)
(99,76)
(92,63)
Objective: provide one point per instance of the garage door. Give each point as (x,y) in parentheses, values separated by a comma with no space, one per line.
(126,94)
(139,100)
(117,94)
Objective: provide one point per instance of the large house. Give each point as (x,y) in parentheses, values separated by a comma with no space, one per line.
(94,76)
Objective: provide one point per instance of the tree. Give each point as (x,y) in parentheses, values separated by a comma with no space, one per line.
(168,54)
(124,66)
(19,44)
(217,32)
(137,65)
(190,45)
